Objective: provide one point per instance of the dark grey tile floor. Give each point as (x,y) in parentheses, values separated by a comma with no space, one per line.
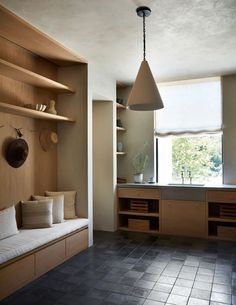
(135,269)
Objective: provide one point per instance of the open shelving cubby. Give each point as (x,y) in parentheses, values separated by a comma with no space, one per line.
(138,210)
(21,74)
(221,206)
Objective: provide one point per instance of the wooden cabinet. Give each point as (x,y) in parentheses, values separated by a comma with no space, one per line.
(138,210)
(187,218)
(221,214)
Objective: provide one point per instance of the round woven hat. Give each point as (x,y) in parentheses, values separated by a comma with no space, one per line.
(17,152)
(47,139)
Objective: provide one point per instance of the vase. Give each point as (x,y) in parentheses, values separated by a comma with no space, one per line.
(138,178)
(51,108)
(119,147)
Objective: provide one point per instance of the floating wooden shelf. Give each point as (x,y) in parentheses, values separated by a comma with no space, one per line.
(142,231)
(120,106)
(120,153)
(17,110)
(221,219)
(138,213)
(21,74)
(120,128)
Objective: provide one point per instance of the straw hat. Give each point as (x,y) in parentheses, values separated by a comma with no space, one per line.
(17,152)
(47,139)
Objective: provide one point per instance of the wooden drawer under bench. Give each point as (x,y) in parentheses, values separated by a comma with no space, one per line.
(21,270)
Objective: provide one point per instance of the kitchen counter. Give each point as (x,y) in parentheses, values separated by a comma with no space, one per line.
(194,186)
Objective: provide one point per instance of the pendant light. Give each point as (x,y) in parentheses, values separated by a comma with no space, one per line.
(144,94)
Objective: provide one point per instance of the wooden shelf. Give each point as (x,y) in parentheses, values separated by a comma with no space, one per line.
(138,214)
(141,231)
(17,110)
(120,128)
(221,219)
(21,74)
(30,38)
(120,106)
(120,153)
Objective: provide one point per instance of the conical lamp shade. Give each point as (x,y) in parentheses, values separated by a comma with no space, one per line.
(144,94)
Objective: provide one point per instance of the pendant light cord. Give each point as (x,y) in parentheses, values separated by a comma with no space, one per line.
(144,38)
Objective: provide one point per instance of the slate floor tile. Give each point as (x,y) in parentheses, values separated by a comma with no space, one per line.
(202,285)
(221,288)
(200,294)
(166,280)
(152,302)
(184,282)
(150,277)
(193,301)
(179,290)
(221,297)
(163,287)
(144,284)
(158,296)
(177,299)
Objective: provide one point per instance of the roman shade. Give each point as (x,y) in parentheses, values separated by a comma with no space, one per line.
(190,108)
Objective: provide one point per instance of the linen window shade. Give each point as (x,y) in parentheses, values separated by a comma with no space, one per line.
(190,108)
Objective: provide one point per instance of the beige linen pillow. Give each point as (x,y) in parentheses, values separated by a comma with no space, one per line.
(69,202)
(57,207)
(37,214)
(8,226)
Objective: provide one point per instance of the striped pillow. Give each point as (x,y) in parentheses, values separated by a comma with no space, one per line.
(57,207)
(37,214)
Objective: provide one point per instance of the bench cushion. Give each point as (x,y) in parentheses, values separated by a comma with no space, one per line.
(28,240)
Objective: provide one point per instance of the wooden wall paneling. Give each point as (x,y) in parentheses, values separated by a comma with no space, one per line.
(73,138)
(38,173)
(16,275)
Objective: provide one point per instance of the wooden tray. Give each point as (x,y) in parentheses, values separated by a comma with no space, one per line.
(139,206)
(138,224)
(228,232)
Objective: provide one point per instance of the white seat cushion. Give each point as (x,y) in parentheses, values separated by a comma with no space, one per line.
(28,240)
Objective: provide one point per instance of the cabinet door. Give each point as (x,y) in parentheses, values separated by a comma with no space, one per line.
(187,218)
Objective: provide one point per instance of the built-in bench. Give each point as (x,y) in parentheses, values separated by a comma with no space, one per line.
(33,252)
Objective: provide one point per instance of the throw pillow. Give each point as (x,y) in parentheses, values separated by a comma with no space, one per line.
(37,214)
(8,226)
(69,202)
(57,207)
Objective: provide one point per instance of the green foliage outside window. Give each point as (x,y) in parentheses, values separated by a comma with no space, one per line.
(201,155)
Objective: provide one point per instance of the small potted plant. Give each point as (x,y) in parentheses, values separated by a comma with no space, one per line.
(140,162)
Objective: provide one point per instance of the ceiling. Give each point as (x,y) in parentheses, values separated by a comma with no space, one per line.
(185,38)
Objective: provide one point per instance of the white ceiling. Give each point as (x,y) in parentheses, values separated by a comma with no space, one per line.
(185,38)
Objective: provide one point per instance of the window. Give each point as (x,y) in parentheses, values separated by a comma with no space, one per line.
(189,133)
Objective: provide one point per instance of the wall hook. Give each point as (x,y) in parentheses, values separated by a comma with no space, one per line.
(19,133)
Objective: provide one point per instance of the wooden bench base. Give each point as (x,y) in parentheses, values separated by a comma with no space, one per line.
(24,269)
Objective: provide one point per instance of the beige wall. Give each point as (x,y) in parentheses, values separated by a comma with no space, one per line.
(103,169)
(139,129)
(229,122)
